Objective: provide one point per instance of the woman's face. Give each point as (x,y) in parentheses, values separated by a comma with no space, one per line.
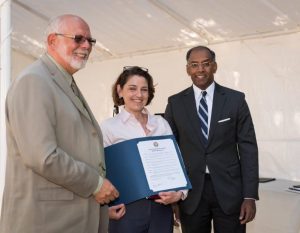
(135,93)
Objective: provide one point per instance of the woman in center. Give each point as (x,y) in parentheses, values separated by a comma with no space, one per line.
(134,90)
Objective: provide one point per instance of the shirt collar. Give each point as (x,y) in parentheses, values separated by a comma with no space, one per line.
(66,75)
(209,90)
(125,116)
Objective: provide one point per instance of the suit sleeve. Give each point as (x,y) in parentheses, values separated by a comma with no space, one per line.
(32,118)
(248,151)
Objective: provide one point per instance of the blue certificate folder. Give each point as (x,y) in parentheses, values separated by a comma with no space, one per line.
(124,168)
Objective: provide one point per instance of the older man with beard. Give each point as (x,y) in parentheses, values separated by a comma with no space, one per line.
(55,174)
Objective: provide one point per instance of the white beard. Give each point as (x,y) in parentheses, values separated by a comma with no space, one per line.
(74,63)
(77,64)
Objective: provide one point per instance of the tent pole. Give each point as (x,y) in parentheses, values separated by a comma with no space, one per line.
(5,8)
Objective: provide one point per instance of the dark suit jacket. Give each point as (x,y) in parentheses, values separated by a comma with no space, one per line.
(231,153)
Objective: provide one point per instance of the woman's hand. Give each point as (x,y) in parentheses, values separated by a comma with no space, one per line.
(116,212)
(167,198)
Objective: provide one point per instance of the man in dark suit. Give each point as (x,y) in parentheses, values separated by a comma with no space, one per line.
(215,133)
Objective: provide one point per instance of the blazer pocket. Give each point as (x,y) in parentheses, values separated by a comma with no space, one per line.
(224,121)
(234,171)
(55,194)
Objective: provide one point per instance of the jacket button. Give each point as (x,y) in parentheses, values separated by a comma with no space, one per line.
(94,133)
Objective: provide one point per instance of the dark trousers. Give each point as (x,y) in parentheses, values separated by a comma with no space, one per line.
(209,210)
(144,216)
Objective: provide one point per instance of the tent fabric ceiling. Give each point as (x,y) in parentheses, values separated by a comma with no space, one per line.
(125,28)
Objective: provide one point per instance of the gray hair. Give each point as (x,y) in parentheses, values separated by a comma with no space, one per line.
(55,24)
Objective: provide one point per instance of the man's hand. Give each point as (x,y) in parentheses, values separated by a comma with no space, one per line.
(107,193)
(248,211)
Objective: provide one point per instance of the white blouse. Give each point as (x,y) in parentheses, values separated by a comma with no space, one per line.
(125,126)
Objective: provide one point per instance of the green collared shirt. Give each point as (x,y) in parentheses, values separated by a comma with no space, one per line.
(68,77)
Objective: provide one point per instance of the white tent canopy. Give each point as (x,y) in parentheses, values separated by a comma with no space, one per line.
(124,28)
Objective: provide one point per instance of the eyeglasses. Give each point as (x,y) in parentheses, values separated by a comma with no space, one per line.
(132,67)
(79,39)
(196,65)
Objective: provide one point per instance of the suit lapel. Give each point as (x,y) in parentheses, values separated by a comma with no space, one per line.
(217,108)
(57,76)
(191,110)
(91,116)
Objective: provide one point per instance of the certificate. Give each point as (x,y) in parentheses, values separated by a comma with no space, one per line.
(161,164)
(143,167)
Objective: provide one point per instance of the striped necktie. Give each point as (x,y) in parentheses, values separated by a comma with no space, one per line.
(203,111)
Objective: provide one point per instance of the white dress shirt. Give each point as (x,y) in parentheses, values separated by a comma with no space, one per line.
(209,101)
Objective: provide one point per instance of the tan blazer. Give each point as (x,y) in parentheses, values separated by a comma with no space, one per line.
(55,156)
